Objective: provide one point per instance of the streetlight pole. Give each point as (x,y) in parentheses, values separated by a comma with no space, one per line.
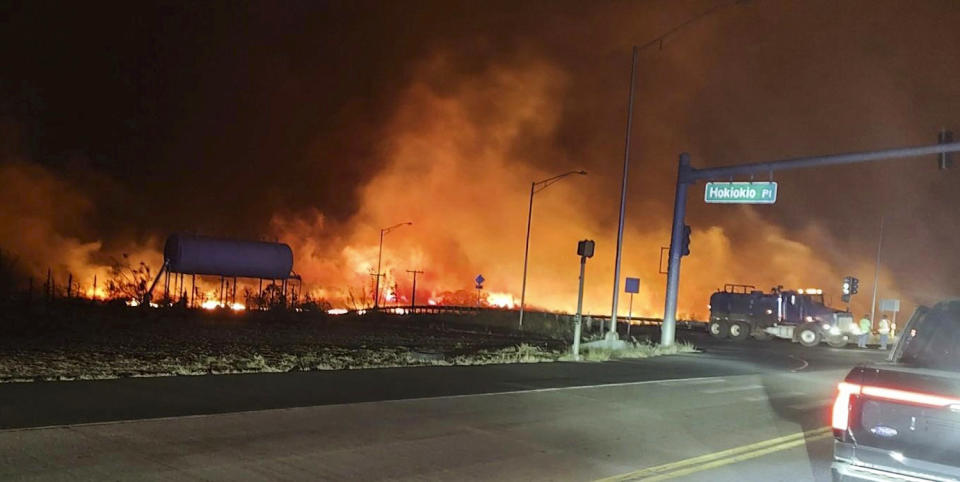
(536,187)
(658,41)
(876,276)
(376,301)
(623,196)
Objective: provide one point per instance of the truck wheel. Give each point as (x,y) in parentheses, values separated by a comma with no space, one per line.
(837,341)
(718,329)
(809,335)
(739,331)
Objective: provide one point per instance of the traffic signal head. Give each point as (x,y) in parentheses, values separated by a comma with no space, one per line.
(854,286)
(685,243)
(945,159)
(585,248)
(847,285)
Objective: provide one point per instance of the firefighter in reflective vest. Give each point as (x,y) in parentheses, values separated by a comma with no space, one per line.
(865,328)
(884,330)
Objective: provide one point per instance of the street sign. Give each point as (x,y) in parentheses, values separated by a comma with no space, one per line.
(890,305)
(740,192)
(479,279)
(633,285)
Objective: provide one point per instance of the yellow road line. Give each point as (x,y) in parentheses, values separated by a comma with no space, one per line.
(723,457)
(738,458)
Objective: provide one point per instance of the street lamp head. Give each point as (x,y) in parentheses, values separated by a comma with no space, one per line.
(395,226)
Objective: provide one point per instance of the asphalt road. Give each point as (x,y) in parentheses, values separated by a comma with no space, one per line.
(749,411)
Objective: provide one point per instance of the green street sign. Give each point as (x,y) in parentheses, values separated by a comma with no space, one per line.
(740,192)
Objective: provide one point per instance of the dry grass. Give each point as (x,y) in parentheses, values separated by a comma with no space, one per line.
(107,343)
(93,366)
(637,349)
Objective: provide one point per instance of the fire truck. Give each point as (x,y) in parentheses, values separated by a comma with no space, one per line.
(739,312)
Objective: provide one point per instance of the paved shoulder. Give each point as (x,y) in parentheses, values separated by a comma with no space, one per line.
(58,403)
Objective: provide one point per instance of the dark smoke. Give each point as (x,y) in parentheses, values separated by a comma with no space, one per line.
(320,122)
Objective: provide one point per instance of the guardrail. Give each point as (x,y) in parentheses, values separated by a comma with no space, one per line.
(475,310)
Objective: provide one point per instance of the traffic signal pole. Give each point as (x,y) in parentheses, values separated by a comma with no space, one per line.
(687,175)
(669,327)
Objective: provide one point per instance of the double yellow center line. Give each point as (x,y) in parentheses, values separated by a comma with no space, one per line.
(724,457)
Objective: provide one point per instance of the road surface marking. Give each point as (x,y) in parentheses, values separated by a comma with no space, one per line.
(723,457)
(394,400)
(691,381)
(731,389)
(805,364)
(779,396)
(811,405)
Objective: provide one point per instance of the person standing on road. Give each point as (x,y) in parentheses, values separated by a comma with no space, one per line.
(865,328)
(884,330)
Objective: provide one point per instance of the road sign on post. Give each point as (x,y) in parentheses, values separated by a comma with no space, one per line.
(890,305)
(479,279)
(740,192)
(632,286)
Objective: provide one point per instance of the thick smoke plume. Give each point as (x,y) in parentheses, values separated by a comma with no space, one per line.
(319,128)
(458,165)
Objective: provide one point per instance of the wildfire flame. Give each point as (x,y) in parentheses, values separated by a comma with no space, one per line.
(501,300)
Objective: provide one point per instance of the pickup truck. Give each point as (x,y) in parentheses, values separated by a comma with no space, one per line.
(900,419)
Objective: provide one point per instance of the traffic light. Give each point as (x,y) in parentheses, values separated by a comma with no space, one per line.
(850,286)
(585,248)
(685,243)
(945,159)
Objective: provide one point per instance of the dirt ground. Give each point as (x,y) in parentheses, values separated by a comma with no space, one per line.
(83,341)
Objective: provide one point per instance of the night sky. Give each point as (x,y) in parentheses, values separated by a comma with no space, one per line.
(241,119)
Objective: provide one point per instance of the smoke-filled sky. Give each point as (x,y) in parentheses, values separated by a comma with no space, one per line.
(317,123)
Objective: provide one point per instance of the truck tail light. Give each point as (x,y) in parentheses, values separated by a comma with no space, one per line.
(841,407)
(915,398)
(846,391)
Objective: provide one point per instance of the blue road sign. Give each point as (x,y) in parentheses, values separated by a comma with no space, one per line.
(479,279)
(633,285)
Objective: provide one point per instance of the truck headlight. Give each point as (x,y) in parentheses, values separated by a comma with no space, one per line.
(826,326)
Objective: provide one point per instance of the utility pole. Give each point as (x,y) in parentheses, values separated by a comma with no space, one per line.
(413,294)
(876,277)
(376,300)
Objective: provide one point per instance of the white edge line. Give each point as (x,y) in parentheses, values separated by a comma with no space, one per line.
(704,381)
(811,405)
(396,400)
(744,388)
